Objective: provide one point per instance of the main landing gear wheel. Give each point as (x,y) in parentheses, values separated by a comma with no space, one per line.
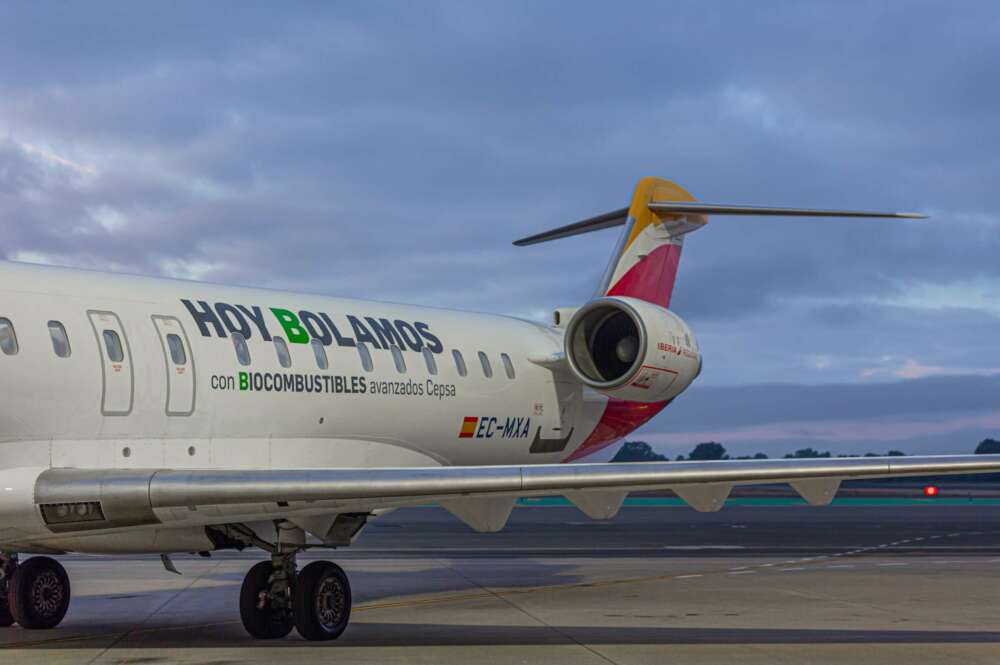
(6,618)
(322,601)
(263,616)
(38,593)
(8,562)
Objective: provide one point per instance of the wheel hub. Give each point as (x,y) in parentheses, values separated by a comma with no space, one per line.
(47,593)
(330,601)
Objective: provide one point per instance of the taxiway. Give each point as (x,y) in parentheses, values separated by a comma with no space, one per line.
(856,583)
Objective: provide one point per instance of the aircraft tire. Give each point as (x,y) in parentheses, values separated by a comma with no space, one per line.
(38,593)
(268,623)
(322,601)
(6,618)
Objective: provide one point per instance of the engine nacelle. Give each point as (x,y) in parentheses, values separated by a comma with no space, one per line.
(631,349)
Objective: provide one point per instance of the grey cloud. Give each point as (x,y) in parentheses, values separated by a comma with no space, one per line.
(393,151)
(932,415)
(838,343)
(741,406)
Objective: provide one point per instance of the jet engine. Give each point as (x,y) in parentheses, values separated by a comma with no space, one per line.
(631,349)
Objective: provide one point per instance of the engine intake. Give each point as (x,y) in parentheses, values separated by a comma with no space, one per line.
(631,349)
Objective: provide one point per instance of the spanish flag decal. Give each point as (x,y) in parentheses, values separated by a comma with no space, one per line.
(468,427)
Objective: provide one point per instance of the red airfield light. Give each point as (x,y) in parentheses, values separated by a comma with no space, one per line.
(931,491)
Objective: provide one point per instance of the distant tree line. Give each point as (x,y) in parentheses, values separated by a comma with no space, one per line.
(640,451)
(988,447)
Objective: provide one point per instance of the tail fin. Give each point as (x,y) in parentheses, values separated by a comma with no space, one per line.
(644,262)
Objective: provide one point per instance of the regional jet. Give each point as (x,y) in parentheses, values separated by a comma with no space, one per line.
(158,416)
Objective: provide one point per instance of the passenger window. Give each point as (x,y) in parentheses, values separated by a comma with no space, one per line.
(176,346)
(113,344)
(485,362)
(459,362)
(320,352)
(8,340)
(397,357)
(508,366)
(60,342)
(284,358)
(366,357)
(242,352)
(432,366)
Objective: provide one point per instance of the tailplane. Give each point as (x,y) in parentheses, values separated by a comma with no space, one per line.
(644,262)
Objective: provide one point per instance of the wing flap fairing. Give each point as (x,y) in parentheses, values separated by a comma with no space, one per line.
(817,491)
(599,504)
(485,514)
(704,497)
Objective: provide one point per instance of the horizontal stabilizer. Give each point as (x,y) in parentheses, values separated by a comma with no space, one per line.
(619,217)
(688,207)
(605,221)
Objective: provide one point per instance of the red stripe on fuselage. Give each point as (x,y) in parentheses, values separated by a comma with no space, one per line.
(652,278)
(619,419)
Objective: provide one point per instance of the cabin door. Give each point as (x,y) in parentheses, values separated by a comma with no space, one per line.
(116,363)
(179,366)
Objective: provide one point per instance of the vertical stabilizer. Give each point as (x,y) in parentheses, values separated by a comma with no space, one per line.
(644,262)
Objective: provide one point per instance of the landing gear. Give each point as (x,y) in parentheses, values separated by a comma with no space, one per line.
(276,596)
(317,600)
(265,602)
(322,601)
(6,618)
(7,565)
(38,593)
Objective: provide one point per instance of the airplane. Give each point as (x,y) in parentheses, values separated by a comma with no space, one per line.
(158,416)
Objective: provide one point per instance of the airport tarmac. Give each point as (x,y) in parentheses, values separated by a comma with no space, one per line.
(751,584)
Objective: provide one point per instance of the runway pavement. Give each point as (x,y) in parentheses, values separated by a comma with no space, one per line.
(843,584)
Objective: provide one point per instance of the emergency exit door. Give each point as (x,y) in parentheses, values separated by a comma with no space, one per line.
(179,365)
(116,363)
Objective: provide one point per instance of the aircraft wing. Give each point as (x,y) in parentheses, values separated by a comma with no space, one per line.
(481,496)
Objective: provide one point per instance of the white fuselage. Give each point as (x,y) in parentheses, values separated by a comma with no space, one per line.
(86,410)
(152,405)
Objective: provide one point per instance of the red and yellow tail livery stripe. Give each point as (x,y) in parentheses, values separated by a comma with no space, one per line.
(647,265)
(653,189)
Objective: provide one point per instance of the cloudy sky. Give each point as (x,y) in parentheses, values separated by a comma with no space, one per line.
(393,151)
